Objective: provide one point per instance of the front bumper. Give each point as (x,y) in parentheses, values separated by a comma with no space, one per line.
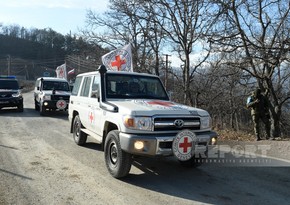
(161,144)
(11,102)
(52,104)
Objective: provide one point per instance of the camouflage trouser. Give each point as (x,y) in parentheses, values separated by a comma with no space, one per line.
(266,120)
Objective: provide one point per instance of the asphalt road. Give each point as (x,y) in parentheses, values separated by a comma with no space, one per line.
(41,164)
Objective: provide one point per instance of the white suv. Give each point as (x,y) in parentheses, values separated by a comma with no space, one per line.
(130,114)
(51,94)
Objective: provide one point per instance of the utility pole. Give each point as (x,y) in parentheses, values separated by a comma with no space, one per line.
(9,65)
(166,71)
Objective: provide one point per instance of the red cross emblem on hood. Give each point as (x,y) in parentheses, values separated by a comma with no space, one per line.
(156,102)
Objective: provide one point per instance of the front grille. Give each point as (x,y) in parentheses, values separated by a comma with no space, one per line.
(6,95)
(169,123)
(60,97)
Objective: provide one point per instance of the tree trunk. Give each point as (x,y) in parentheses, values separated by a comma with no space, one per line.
(275,125)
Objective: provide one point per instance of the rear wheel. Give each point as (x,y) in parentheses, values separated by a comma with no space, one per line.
(80,137)
(117,161)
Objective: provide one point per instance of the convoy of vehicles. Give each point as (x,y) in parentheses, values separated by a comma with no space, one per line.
(128,113)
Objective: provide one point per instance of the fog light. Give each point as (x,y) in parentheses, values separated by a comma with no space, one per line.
(139,145)
(45,103)
(213,141)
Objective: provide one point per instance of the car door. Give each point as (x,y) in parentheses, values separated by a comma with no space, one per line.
(83,101)
(95,112)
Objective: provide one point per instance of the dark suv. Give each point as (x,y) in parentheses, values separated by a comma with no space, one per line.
(10,93)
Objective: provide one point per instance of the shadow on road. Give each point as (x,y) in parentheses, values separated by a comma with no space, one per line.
(210,184)
(30,112)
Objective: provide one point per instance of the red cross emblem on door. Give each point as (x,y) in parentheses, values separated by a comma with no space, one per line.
(91,116)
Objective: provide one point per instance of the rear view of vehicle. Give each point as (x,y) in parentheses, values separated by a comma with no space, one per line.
(10,93)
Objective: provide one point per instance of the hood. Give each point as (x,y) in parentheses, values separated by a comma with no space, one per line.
(155,107)
(57,92)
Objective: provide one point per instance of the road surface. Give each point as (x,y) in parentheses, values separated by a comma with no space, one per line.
(41,164)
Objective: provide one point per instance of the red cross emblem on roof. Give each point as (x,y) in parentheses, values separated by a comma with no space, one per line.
(156,102)
(118,62)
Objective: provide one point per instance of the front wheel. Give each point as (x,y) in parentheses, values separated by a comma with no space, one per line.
(36,106)
(20,108)
(117,161)
(42,109)
(80,137)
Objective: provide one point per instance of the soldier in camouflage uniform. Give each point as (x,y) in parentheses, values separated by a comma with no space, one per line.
(260,111)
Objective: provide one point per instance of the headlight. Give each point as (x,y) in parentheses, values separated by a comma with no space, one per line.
(138,123)
(16,95)
(205,122)
(46,97)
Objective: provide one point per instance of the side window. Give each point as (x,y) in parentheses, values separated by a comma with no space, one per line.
(86,87)
(77,85)
(95,87)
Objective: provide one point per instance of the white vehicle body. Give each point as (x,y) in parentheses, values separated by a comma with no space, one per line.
(145,123)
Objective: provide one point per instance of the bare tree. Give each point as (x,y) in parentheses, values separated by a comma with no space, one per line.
(258,31)
(128,22)
(185,23)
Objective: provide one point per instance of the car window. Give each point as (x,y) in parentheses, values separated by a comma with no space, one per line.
(9,84)
(55,85)
(76,86)
(95,88)
(86,87)
(134,87)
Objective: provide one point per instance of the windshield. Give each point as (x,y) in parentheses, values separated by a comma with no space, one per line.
(54,85)
(134,87)
(9,84)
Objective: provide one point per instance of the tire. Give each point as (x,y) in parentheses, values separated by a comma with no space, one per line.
(36,106)
(117,161)
(20,108)
(80,137)
(41,109)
